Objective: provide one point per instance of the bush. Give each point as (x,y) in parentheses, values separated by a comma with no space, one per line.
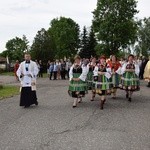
(1,86)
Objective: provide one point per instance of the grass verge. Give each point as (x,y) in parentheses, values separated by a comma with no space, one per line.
(8,91)
(7,73)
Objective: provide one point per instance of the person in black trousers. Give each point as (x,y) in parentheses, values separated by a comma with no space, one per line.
(63,70)
(51,68)
(144,62)
(41,69)
(48,65)
(55,71)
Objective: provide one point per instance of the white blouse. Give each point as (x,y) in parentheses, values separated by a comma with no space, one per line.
(83,76)
(107,73)
(137,68)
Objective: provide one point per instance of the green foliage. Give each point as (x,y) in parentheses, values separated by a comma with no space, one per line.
(25,43)
(143,46)
(7,73)
(101,50)
(16,48)
(92,43)
(65,33)
(84,49)
(88,44)
(43,46)
(1,86)
(114,24)
(4,53)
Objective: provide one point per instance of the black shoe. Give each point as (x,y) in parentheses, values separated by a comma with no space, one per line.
(114,97)
(36,103)
(104,101)
(148,84)
(129,99)
(74,106)
(102,105)
(26,106)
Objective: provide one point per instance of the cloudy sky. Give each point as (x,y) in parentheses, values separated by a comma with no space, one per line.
(18,17)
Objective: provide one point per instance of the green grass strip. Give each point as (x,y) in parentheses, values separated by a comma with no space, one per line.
(8,91)
(7,73)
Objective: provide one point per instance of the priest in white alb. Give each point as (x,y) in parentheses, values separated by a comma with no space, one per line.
(27,73)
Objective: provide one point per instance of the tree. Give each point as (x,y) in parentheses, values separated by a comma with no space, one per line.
(4,53)
(84,51)
(88,43)
(143,42)
(15,48)
(114,24)
(92,43)
(65,33)
(43,46)
(26,43)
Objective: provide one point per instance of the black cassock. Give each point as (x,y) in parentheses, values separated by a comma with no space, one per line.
(27,73)
(28,97)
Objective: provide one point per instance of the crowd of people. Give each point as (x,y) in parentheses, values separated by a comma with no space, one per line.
(102,76)
(58,69)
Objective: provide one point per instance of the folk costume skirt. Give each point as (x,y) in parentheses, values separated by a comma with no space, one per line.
(102,85)
(77,88)
(90,80)
(130,82)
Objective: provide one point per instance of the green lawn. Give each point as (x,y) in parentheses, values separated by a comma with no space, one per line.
(8,91)
(7,73)
(45,75)
(12,74)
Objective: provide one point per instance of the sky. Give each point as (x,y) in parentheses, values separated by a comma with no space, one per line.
(26,17)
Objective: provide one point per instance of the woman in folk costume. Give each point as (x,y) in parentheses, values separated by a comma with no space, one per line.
(129,80)
(27,73)
(116,72)
(91,67)
(102,75)
(147,72)
(78,86)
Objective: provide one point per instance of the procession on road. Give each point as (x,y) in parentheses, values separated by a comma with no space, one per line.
(95,76)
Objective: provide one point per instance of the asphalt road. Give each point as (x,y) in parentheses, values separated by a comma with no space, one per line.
(55,125)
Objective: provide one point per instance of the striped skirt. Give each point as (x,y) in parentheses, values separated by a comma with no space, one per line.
(90,80)
(130,81)
(102,85)
(77,87)
(116,80)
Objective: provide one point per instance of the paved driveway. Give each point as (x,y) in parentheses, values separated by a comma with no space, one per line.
(55,125)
